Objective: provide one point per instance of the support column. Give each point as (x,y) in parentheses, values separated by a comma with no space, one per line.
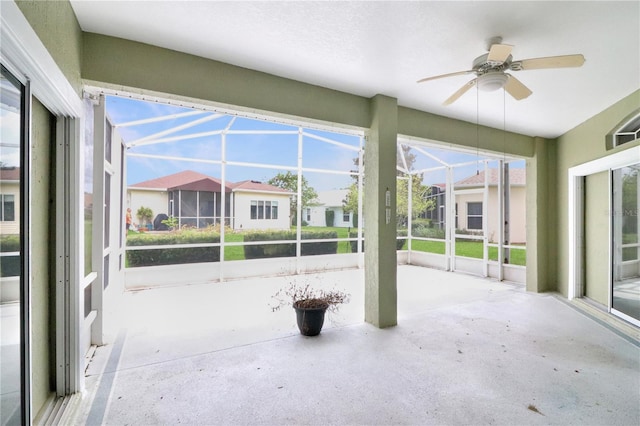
(541,206)
(381,298)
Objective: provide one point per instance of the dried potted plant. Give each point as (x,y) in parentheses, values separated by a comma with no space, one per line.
(310,305)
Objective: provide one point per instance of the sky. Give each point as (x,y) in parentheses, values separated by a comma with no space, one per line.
(275,149)
(9,126)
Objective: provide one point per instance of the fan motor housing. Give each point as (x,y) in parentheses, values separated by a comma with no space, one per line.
(482,66)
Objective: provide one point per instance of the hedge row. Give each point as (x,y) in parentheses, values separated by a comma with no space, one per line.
(10,265)
(261,251)
(155,257)
(399,243)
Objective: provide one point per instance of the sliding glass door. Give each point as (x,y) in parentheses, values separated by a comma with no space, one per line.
(13,310)
(625,300)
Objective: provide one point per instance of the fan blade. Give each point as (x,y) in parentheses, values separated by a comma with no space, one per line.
(565,61)
(516,89)
(445,75)
(461,91)
(499,53)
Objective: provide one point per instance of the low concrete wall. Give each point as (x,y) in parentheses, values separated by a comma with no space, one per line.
(9,289)
(192,273)
(429,260)
(197,273)
(513,273)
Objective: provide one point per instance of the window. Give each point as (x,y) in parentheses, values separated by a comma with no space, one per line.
(346,217)
(474,215)
(627,131)
(456,215)
(8,210)
(308,219)
(261,209)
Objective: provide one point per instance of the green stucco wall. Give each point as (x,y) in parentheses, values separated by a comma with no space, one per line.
(433,127)
(56,25)
(126,65)
(584,143)
(540,218)
(596,238)
(380,265)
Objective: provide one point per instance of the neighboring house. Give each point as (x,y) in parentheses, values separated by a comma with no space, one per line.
(258,205)
(328,200)
(469,204)
(195,199)
(437,214)
(9,200)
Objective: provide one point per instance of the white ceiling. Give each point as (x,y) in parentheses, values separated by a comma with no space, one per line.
(384,47)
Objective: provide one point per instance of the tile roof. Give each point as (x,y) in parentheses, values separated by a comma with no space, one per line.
(10,173)
(172,181)
(516,177)
(252,185)
(194,181)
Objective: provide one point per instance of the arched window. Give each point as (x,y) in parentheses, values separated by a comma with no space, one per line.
(627,131)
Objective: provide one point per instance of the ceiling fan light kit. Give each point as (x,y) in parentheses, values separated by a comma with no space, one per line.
(491,82)
(490,71)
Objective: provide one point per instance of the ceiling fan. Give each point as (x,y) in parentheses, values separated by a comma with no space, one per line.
(490,70)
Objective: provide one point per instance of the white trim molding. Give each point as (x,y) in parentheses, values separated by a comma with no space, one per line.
(576,176)
(22,52)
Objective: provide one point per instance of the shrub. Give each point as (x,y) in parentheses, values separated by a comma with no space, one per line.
(10,265)
(429,233)
(399,243)
(9,243)
(261,251)
(421,223)
(145,214)
(155,257)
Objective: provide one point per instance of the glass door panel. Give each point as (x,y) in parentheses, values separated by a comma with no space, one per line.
(626,248)
(11,284)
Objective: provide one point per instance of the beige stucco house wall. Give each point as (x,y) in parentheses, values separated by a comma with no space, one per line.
(517,205)
(13,226)
(242,210)
(154,199)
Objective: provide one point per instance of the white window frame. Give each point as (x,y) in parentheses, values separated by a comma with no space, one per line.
(2,203)
(629,130)
(481,215)
(23,54)
(273,206)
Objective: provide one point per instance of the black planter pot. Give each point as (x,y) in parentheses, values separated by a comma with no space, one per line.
(310,320)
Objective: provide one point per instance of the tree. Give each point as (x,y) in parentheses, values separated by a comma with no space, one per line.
(419,193)
(630,205)
(145,214)
(289,181)
(419,198)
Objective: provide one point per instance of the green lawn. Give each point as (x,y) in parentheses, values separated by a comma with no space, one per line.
(233,252)
(471,249)
(468,249)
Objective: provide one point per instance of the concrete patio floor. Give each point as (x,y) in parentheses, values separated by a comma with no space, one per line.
(466,351)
